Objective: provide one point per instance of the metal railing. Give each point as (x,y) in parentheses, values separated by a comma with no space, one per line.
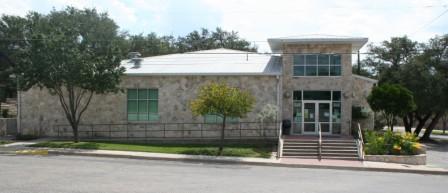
(360,142)
(166,131)
(320,141)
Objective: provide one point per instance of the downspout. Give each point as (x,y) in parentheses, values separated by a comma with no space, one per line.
(279,117)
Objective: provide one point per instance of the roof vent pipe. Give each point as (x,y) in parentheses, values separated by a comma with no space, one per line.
(134,57)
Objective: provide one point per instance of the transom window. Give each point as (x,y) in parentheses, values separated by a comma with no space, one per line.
(317,65)
(143,104)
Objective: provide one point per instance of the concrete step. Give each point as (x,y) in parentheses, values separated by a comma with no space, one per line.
(301,157)
(300,153)
(300,150)
(339,155)
(340,158)
(339,147)
(300,147)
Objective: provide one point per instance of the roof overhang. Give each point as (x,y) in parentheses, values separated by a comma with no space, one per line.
(356,42)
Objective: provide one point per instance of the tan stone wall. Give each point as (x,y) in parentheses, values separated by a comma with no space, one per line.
(361,90)
(342,83)
(41,111)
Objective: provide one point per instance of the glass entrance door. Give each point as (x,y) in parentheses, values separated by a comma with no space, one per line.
(309,118)
(315,114)
(324,117)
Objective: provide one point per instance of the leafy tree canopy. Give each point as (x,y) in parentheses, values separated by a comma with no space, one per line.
(391,100)
(72,53)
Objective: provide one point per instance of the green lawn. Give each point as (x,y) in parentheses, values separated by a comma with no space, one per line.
(439,132)
(4,142)
(240,150)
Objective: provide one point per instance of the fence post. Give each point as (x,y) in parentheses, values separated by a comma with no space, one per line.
(146,131)
(164,130)
(240,130)
(59,135)
(127,132)
(110,132)
(202,125)
(91,131)
(182,130)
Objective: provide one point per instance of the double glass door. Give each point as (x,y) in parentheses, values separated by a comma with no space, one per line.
(316,114)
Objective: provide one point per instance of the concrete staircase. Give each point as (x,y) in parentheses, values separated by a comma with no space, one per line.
(332,148)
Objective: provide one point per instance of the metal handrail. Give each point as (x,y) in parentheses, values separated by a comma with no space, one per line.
(360,143)
(320,141)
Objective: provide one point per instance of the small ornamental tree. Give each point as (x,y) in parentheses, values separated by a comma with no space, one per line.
(74,54)
(391,100)
(222,100)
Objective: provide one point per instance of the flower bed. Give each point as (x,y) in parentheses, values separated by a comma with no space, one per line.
(394,148)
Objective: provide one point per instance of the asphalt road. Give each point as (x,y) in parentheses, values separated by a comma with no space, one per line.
(87,174)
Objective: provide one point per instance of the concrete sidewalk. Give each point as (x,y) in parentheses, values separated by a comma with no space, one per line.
(22,149)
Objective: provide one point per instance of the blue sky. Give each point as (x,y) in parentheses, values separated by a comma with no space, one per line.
(257,20)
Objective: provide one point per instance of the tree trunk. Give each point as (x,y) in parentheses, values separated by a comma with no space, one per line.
(445,119)
(431,126)
(421,123)
(221,144)
(408,121)
(75,132)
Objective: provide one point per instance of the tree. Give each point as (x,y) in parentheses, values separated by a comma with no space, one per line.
(12,30)
(391,100)
(74,54)
(435,55)
(220,99)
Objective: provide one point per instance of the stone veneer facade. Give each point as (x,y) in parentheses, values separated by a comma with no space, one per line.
(361,89)
(41,111)
(341,83)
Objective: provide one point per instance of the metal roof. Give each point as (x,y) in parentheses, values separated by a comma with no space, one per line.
(207,62)
(356,42)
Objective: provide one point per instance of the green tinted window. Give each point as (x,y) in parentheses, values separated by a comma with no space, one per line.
(317,65)
(317,95)
(132,106)
(311,60)
(132,93)
(324,59)
(297,95)
(311,70)
(336,95)
(299,70)
(335,70)
(335,60)
(153,94)
(323,70)
(299,59)
(142,105)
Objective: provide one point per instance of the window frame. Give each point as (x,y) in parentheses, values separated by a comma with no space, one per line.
(148,99)
(305,65)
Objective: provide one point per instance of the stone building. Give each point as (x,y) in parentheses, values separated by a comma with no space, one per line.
(308,78)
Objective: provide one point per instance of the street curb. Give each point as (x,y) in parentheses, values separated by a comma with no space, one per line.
(351,168)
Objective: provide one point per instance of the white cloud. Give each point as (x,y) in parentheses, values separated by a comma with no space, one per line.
(134,15)
(378,20)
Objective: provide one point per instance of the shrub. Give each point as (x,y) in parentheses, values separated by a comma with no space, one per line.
(5,113)
(25,137)
(391,143)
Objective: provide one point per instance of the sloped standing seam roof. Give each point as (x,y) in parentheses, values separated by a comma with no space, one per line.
(208,62)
